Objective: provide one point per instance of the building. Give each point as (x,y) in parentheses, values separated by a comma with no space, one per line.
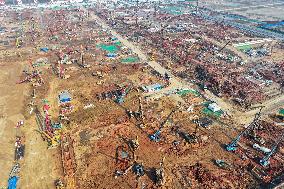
(214,107)
(64,97)
(152,88)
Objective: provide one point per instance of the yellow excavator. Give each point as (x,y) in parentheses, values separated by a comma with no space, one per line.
(19,42)
(52,141)
(59,184)
(152,56)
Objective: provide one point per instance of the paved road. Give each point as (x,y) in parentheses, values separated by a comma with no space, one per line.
(175,83)
(242,117)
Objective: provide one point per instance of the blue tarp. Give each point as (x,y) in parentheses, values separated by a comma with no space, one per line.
(12,182)
(154,87)
(275,25)
(111,55)
(44,49)
(64,97)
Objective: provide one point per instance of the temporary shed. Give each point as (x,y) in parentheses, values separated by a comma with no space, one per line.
(214,107)
(152,88)
(64,97)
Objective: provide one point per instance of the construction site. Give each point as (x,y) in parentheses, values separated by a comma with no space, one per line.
(141,94)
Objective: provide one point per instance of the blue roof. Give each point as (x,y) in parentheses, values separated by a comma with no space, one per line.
(12,182)
(111,55)
(64,96)
(153,87)
(275,25)
(44,49)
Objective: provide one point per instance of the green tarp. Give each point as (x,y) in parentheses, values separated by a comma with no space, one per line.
(130,60)
(187,91)
(208,112)
(118,43)
(173,10)
(109,48)
(281,111)
(244,47)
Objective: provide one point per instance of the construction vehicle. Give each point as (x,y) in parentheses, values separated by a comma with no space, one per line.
(120,98)
(265,160)
(141,112)
(133,143)
(82,64)
(160,174)
(33,94)
(19,42)
(138,169)
(20,148)
(234,143)
(15,170)
(156,136)
(123,156)
(52,141)
(153,56)
(279,117)
(261,175)
(189,138)
(14,176)
(222,164)
(59,184)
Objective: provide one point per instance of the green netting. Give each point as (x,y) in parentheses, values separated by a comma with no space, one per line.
(206,103)
(208,112)
(244,47)
(173,10)
(130,60)
(281,111)
(109,48)
(39,64)
(187,91)
(118,43)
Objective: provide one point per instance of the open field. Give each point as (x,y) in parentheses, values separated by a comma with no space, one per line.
(164,99)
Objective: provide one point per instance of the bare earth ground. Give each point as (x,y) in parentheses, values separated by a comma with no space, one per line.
(11,100)
(40,166)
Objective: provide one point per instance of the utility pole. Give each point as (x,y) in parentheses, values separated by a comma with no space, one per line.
(197,6)
(136,12)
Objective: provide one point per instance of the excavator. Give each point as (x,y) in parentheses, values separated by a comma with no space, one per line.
(52,141)
(233,145)
(137,115)
(160,174)
(156,136)
(265,160)
(59,184)
(120,98)
(133,143)
(19,42)
(152,56)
